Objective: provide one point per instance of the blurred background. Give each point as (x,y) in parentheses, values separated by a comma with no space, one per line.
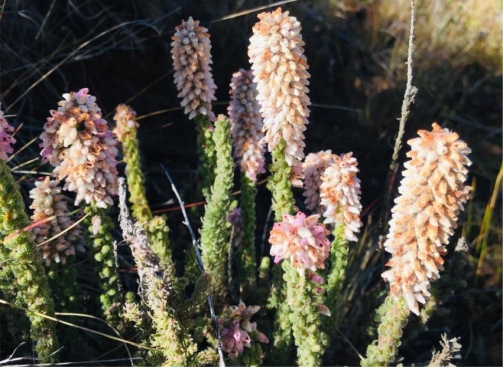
(356,51)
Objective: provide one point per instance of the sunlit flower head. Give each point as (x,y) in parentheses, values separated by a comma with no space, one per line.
(302,240)
(190,50)
(77,142)
(432,193)
(247,124)
(279,67)
(340,195)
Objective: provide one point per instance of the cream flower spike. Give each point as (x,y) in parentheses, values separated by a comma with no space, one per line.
(246,124)
(125,119)
(312,168)
(48,201)
(276,53)
(190,50)
(432,193)
(5,139)
(340,195)
(78,143)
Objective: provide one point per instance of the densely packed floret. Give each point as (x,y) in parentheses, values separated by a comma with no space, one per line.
(51,212)
(432,193)
(77,142)
(340,195)
(246,124)
(302,240)
(312,168)
(279,67)
(190,50)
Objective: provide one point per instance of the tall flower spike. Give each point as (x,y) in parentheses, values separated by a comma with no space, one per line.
(425,214)
(276,53)
(302,240)
(340,195)
(312,168)
(5,139)
(77,142)
(244,113)
(47,202)
(190,50)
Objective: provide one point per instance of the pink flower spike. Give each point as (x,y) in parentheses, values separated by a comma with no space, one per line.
(302,240)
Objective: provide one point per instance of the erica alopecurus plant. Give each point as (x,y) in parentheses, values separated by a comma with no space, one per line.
(126,131)
(191,54)
(432,194)
(22,276)
(248,146)
(280,71)
(82,150)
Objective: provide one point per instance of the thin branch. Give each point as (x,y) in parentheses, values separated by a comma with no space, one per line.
(408,99)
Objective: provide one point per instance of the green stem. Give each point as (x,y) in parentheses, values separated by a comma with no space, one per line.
(394,318)
(102,244)
(247,260)
(206,149)
(18,251)
(336,276)
(215,233)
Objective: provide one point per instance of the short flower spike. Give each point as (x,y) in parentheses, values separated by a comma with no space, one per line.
(302,240)
(47,202)
(340,195)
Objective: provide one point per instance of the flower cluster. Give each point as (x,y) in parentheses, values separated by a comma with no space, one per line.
(276,53)
(246,124)
(190,50)
(302,240)
(5,139)
(77,142)
(312,168)
(236,329)
(49,202)
(340,194)
(125,118)
(431,196)
(236,220)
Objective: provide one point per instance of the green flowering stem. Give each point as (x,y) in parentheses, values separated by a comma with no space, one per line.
(305,318)
(279,183)
(283,338)
(157,230)
(282,203)
(20,263)
(100,228)
(336,276)
(247,262)
(394,318)
(206,148)
(215,233)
